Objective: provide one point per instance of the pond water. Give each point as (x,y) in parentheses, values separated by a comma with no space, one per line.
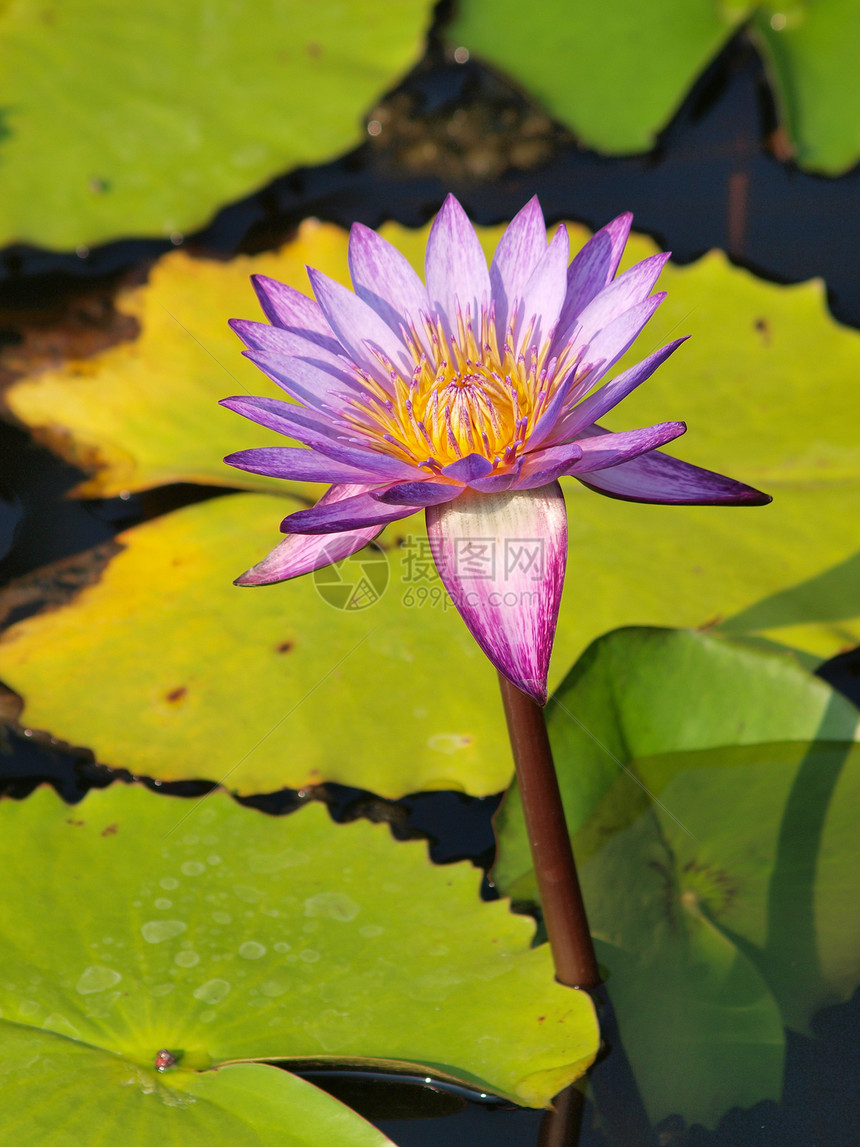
(710,183)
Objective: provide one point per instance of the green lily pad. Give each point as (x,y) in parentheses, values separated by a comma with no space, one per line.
(810,51)
(228,935)
(173,110)
(170,670)
(64,1090)
(616,73)
(710,789)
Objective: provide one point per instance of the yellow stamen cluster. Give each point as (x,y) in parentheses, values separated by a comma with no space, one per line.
(466,395)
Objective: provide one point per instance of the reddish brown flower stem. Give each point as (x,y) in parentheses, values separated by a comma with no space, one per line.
(558,883)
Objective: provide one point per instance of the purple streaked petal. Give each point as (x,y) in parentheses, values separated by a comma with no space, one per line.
(302,553)
(603,400)
(658,479)
(276,340)
(518,253)
(297,464)
(324,435)
(385,279)
(594,267)
(322,387)
(544,293)
(355,513)
(544,466)
(417,494)
(455,267)
(622,294)
(607,347)
(468,469)
(502,559)
(286,307)
(498,483)
(358,327)
(610,449)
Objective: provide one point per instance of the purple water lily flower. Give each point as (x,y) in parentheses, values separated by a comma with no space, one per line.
(470,397)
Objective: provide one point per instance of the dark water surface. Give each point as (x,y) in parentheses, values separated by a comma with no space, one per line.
(711,182)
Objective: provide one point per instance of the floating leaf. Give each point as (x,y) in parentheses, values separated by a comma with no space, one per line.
(616,73)
(784,573)
(145,413)
(810,50)
(170,670)
(712,791)
(171,110)
(228,935)
(64,1090)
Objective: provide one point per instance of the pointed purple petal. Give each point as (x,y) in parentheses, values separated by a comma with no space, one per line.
(607,347)
(419,494)
(302,553)
(297,464)
(659,479)
(276,340)
(358,327)
(455,267)
(594,267)
(323,388)
(502,559)
(497,483)
(603,400)
(385,279)
(544,466)
(468,469)
(286,307)
(622,294)
(517,255)
(353,513)
(610,449)
(543,295)
(325,436)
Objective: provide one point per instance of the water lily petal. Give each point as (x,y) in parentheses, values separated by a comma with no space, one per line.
(496,483)
(324,388)
(359,328)
(301,553)
(544,466)
(502,559)
(593,267)
(596,405)
(417,494)
(611,449)
(277,340)
(455,268)
(354,513)
(468,469)
(518,253)
(323,434)
(622,294)
(657,478)
(385,279)
(544,294)
(286,307)
(297,464)
(607,347)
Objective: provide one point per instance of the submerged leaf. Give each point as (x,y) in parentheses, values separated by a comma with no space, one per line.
(712,792)
(143,121)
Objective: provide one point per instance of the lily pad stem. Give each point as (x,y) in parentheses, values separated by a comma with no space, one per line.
(552,854)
